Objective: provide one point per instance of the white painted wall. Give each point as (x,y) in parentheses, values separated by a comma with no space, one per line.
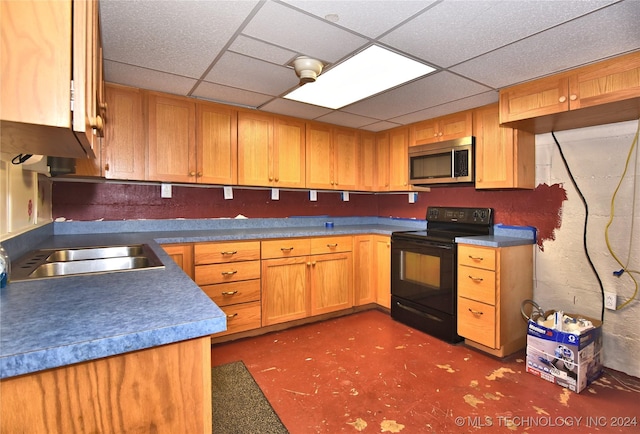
(563,278)
(18,188)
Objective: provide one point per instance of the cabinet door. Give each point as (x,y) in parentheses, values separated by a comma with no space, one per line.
(455,125)
(172,143)
(182,254)
(364,272)
(331,282)
(255,142)
(319,167)
(345,158)
(383,161)
(424,132)
(382,269)
(367,164)
(538,98)
(505,158)
(399,159)
(124,147)
(610,81)
(287,167)
(217,146)
(285,294)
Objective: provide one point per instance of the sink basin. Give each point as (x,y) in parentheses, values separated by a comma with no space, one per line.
(47,263)
(65,255)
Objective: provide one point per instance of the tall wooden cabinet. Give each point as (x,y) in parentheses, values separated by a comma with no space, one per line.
(271,150)
(367,164)
(505,158)
(216,144)
(492,283)
(49,87)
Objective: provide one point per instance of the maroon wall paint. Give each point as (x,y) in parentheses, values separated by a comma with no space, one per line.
(540,208)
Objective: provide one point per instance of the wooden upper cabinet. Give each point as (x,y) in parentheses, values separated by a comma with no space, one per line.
(505,158)
(398,159)
(171,138)
(216,144)
(367,167)
(271,150)
(382,156)
(605,92)
(332,157)
(288,155)
(46,46)
(448,127)
(124,147)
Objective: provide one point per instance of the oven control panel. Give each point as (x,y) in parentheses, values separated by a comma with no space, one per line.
(481,216)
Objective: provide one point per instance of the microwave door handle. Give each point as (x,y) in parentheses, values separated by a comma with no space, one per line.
(453,163)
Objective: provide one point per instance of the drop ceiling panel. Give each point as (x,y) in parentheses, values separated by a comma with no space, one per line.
(449,107)
(262,50)
(368,18)
(295,109)
(147,79)
(346,119)
(433,90)
(224,94)
(454,31)
(176,37)
(285,27)
(560,48)
(240,71)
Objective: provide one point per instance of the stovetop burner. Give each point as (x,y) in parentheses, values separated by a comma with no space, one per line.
(447,223)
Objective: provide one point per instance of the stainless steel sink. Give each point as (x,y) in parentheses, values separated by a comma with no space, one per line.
(47,263)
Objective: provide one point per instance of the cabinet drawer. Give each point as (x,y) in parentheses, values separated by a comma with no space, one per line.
(241,317)
(477,322)
(331,245)
(224,273)
(473,256)
(215,253)
(224,294)
(477,284)
(285,248)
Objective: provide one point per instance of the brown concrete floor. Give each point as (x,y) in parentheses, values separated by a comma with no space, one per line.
(368,373)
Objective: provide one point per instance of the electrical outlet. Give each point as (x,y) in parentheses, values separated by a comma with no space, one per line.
(610,301)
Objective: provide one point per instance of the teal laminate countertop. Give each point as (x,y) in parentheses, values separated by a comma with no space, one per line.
(48,323)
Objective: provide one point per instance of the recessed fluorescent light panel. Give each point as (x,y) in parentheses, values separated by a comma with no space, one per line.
(367,73)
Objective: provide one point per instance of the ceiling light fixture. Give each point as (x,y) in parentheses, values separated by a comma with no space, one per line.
(369,72)
(307,69)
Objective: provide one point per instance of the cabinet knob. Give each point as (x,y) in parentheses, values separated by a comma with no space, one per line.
(313,263)
(277,179)
(200,174)
(331,246)
(229,292)
(308,264)
(192,173)
(103,106)
(97,123)
(475,279)
(573,97)
(435,135)
(228,273)
(270,179)
(286,249)
(233,315)
(229,252)
(475,312)
(562,98)
(476,258)
(106,167)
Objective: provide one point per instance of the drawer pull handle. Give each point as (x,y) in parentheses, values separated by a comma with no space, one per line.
(229,292)
(233,315)
(229,273)
(229,253)
(476,279)
(332,245)
(475,312)
(476,258)
(286,249)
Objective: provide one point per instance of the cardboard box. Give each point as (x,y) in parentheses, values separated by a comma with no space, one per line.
(569,360)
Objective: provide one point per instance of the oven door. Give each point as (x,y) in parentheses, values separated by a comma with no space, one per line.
(424,273)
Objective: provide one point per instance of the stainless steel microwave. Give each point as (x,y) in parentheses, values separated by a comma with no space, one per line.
(449,162)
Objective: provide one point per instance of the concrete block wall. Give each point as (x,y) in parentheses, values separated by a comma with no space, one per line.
(563,277)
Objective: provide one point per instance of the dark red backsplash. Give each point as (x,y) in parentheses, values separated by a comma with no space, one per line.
(540,208)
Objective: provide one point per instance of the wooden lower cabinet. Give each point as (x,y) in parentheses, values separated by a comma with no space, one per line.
(492,283)
(229,273)
(182,254)
(165,389)
(285,293)
(372,270)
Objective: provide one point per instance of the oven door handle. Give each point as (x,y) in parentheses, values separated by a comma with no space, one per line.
(417,312)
